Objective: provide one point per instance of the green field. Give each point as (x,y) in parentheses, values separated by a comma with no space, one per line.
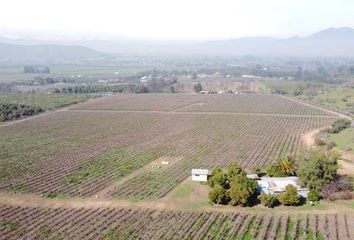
(341,99)
(344,140)
(45,101)
(87,73)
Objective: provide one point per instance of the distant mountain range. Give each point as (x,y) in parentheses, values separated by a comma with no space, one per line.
(335,42)
(46,51)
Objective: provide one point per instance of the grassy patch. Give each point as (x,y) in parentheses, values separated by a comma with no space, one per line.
(316,206)
(183,190)
(344,140)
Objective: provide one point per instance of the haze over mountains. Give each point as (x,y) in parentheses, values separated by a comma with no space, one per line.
(336,42)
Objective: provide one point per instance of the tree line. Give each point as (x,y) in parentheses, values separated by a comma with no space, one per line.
(11,111)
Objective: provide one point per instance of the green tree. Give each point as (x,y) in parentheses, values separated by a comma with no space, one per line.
(313,196)
(268,200)
(218,178)
(218,194)
(233,169)
(197,87)
(242,190)
(290,197)
(339,125)
(318,168)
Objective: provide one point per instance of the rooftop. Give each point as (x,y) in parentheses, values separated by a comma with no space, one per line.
(200,171)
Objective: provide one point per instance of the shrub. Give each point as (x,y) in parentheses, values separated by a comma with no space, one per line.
(318,169)
(340,125)
(218,195)
(269,200)
(274,170)
(313,196)
(290,197)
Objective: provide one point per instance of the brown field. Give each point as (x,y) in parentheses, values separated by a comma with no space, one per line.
(113,146)
(79,153)
(230,103)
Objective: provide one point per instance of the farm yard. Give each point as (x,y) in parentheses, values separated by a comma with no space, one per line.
(111,149)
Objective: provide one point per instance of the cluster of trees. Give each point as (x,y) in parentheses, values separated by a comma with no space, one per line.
(150,87)
(317,171)
(232,187)
(289,197)
(340,125)
(10,111)
(91,89)
(39,80)
(36,69)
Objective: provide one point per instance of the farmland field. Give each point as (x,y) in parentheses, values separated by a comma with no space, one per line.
(109,223)
(107,148)
(45,101)
(246,103)
(81,151)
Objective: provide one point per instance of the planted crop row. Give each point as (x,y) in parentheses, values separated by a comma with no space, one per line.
(81,223)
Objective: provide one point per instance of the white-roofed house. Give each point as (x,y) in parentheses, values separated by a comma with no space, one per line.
(200,175)
(276,185)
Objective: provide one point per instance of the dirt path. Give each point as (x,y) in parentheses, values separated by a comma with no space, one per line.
(309,137)
(346,166)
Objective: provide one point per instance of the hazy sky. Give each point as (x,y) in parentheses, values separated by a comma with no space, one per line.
(174,19)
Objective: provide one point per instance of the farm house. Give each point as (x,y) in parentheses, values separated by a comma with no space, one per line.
(200,175)
(276,185)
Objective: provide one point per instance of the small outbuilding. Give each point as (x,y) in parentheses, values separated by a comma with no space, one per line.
(200,175)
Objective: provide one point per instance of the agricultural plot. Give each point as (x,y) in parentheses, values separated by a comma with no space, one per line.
(118,223)
(79,153)
(231,103)
(45,101)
